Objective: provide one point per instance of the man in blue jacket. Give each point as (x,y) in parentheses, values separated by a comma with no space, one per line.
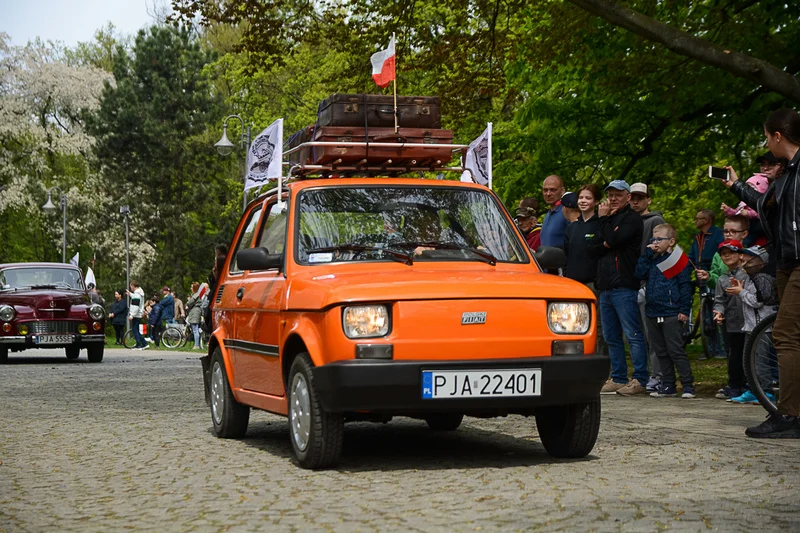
(555,223)
(167,306)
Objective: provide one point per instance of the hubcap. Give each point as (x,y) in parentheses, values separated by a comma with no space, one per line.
(300,412)
(217,393)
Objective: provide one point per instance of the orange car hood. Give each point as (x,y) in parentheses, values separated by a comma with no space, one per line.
(319,290)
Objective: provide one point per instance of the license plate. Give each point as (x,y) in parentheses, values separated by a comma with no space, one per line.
(54,339)
(438,384)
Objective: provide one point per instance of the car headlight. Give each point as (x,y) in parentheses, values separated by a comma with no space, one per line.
(97,312)
(568,317)
(365,321)
(7,313)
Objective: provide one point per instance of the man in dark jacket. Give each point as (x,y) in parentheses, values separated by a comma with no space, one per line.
(167,306)
(616,245)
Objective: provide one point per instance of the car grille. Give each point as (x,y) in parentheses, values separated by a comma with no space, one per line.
(53,326)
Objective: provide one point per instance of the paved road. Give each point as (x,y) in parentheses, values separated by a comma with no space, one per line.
(127,444)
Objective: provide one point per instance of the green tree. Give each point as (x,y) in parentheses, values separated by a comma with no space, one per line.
(157,154)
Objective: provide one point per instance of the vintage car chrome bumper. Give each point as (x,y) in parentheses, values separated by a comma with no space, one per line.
(28,339)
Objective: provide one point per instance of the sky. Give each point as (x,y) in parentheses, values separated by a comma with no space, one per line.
(71,21)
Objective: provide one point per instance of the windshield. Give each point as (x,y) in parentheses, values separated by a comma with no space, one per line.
(40,277)
(408,224)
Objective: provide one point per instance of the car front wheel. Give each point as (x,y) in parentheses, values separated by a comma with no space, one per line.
(95,353)
(569,431)
(73,352)
(316,435)
(3,355)
(230,417)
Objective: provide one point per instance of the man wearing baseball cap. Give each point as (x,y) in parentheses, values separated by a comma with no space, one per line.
(526,222)
(168,306)
(616,244)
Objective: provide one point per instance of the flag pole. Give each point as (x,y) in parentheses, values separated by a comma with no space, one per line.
(394,84)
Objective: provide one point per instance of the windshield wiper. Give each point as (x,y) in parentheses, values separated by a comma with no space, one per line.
(485,256)
(393,254)
(47,286)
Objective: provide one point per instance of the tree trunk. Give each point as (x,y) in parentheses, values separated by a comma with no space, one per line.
(685,44)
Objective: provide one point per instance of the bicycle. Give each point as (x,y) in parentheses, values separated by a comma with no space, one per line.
(174,335)
(704,326)
(761,364)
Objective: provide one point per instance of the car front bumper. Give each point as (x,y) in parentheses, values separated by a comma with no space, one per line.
(24,342)
(395,387)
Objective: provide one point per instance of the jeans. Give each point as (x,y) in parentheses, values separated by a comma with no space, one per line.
(140,342)
(786,336)
(620,314)
(196,332)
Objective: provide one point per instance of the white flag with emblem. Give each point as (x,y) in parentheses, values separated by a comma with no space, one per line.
(74,260)
(478,160)
(265,156)
(90,277)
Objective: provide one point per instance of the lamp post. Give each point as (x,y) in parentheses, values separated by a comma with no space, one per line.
(49,206)
(125,211)
(225,146)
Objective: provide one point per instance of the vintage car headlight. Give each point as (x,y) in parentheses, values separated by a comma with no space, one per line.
(568,317)
(365,321)
(7,313)
(97,312)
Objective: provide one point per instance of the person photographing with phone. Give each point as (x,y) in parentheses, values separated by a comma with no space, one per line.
(779,212)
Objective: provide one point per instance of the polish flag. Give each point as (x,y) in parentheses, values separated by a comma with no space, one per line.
(383,65)
(674,264)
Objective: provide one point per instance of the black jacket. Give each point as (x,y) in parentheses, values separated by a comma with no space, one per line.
(120,310)
(616,264)
(577,238)
(779,213)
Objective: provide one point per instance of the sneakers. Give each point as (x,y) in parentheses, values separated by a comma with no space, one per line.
(632,388)
(652,384)
(745,397)
(776,427)
(688,392)
(664,391)
(611,387)
(148,339)
(727,393)
(145,347)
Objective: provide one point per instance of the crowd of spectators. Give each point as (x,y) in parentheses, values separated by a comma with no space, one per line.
(644,283)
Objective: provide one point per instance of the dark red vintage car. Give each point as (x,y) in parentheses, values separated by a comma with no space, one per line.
(46,305)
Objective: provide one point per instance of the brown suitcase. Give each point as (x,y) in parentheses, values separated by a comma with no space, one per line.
(374,155)
(377,111)
(298,138)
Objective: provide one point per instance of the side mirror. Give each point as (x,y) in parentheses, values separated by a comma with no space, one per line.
(550,258)
(258,258)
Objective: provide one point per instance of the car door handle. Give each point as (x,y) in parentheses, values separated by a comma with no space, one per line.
(240,293)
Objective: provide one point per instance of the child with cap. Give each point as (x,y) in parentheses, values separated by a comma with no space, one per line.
(667,308)
(728,312)
(759,299)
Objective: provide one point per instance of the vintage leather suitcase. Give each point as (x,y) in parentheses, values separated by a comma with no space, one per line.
(407,156)
(298,138)
(377,111)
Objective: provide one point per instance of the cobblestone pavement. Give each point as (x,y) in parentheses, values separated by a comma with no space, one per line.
(127,444)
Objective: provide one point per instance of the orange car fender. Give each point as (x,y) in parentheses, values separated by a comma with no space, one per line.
(226,355)
(301,326)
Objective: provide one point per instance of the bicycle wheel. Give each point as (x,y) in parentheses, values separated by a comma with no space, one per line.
(171,337)
(708,328)
(187,334)
(128,339)
(761,364)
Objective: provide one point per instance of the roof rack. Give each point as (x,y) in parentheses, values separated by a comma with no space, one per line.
(368,166)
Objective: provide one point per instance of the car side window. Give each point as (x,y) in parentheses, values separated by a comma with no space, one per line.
(273,235)
(246,238)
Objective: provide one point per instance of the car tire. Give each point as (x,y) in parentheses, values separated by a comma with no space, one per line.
(444,421)
(317,436)
(3,355)
(95,352)
(230,418)
(569,431)
(73,352)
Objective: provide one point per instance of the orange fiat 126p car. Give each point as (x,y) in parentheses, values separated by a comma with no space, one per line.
(364,298)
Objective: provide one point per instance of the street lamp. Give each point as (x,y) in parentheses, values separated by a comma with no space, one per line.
(126,211)
(49,206)
(225,147)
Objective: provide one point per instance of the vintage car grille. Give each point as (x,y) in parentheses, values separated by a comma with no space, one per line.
(219,294)
(53,326)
